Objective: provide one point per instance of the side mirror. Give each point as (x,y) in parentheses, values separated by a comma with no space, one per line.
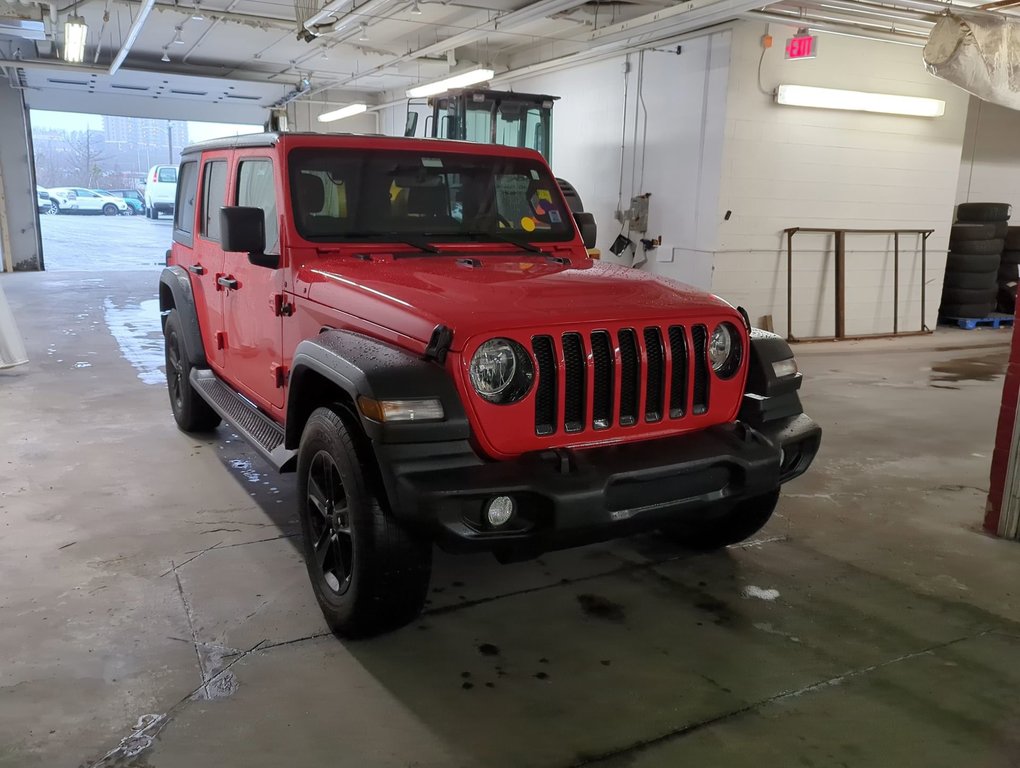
(410,123)
(243,230)
(589,229)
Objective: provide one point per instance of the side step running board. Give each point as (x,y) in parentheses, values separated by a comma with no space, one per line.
(264,434)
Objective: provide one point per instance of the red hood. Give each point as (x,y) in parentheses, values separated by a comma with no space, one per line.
(411,295)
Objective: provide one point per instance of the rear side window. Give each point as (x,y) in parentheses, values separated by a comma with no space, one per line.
(184,210)
(214,193)
(256,187)
(168,175)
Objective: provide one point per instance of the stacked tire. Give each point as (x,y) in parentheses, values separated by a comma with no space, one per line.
(976,244)
(1009,271)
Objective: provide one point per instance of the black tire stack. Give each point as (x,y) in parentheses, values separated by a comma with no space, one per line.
(1009,271)
(976,243)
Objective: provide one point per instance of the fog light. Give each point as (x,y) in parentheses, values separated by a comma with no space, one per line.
(499,511)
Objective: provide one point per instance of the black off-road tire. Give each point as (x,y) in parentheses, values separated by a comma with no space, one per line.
(738,524)
(980,263)
(970,280)
(369,573)
(984,295)
(976,247)
(967,310)
(975,231)
(191,412)
(983,212)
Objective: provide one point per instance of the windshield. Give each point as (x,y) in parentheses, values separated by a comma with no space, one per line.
(357,194)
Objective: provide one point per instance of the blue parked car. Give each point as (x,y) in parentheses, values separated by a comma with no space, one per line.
(132,197)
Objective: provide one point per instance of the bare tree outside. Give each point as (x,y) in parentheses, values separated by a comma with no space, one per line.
(86,156)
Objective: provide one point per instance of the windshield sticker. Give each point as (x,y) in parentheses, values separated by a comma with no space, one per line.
(543,194)
(554,216)
(528,224)
(534,174)
(432,162)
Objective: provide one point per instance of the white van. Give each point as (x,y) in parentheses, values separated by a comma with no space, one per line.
(160,190)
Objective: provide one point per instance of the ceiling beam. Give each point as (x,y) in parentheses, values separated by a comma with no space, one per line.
(132,35)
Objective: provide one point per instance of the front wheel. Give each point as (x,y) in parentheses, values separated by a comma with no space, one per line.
(53,210)
(739,523)
(369,573)
(191,412)
(110,210)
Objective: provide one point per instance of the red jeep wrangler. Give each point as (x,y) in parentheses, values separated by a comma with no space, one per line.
(416,328)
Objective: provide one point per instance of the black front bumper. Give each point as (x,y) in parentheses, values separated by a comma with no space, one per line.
(565,498)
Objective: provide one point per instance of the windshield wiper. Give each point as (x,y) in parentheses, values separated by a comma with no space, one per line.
(422,245)
(501,238)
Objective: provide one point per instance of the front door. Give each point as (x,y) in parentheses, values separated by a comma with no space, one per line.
(251,309)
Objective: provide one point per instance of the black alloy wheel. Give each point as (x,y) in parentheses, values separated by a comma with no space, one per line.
(330,523)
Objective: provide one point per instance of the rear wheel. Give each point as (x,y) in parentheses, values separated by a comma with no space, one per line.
(130,211)
(369,573)
(53,210)
(191,412)
(743,521)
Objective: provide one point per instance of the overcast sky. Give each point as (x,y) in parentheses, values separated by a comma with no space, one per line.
(72,121)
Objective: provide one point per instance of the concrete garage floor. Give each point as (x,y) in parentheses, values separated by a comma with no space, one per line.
(155,610)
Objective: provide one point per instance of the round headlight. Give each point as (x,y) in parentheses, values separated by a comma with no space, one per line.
(724,350)
(501,371)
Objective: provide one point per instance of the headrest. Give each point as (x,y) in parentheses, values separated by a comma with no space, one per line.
(311,193)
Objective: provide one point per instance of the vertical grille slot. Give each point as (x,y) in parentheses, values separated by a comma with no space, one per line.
(630,375)
(699,335)
(545,391)
(655,382)
(602,396)
(574,386)
(678,373)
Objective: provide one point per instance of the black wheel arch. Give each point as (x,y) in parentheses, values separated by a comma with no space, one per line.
(338,367)
(766,396)
(175,293)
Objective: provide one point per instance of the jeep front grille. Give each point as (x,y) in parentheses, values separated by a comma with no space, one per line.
(624,375)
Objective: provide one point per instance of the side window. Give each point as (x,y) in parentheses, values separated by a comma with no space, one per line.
(214,192)
(256,187)
(187,190)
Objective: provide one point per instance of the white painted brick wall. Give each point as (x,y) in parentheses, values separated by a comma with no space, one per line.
(785,167)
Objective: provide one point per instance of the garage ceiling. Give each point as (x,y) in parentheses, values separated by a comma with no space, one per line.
(234,57)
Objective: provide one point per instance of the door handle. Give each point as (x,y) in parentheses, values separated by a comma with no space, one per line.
(197,269)
(227,282)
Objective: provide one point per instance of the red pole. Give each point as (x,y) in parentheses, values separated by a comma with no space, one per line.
(1004,437)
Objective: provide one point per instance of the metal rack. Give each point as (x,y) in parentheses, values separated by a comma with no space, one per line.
(840,319)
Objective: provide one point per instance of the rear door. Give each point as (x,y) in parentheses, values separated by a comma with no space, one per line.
(254,326)
(88,200)
(209,180)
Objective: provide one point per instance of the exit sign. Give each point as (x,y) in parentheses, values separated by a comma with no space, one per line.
(802,47)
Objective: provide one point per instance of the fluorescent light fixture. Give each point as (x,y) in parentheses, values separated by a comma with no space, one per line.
(178,40)
(166,56)
(415,9)
(859,101)
(340,114)
(472,77)
(75,33)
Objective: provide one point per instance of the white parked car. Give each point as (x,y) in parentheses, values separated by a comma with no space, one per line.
(81,200)
(43,202)
(160,190)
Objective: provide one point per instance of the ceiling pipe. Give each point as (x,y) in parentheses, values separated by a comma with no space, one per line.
(823,17)
(675,19)
(366,10)
(901,37)
(132,35)
(872,10)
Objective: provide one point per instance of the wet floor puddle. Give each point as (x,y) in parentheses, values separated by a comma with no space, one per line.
(986,367)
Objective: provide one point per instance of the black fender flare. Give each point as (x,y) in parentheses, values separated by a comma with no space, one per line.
(766,396)
(362,366)
(175,293)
